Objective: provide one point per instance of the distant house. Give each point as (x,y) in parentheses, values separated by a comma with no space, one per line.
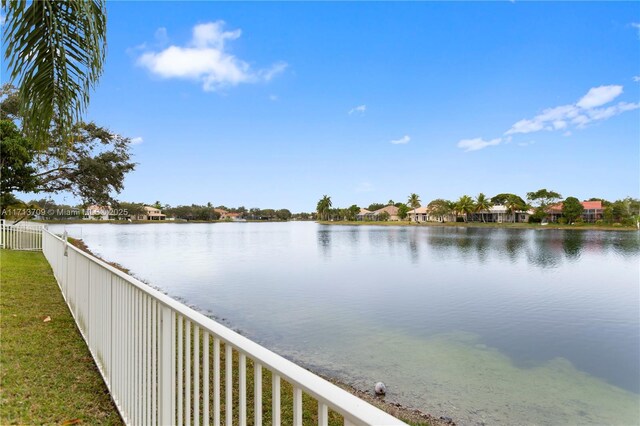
(226,215)
(426,214)
(95,212)
(223,213)
(151,213)
(364,214)
(497,213)
(500,214)
(593,211)
(392,211)
(421,214)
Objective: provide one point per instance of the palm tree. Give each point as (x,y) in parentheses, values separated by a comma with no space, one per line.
(414,202)
(482,204)
(323,207)
(465,206)
(513,204)
(55,51)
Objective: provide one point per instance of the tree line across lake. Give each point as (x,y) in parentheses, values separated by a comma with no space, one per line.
(47,209)
(539,205)
(624,212)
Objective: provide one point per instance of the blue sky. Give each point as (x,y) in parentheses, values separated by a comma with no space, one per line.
(276,104)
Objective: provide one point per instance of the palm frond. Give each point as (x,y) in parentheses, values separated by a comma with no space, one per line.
(55,51)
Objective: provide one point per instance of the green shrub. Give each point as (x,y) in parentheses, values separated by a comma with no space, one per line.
(628,221)
(599,222)
(562,221)
(617,224)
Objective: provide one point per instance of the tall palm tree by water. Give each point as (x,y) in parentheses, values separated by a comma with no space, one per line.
(482,204)
(465,206)
(414,202)
(323,207)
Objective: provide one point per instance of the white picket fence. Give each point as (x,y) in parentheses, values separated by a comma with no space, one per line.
(167,364)
(20,236)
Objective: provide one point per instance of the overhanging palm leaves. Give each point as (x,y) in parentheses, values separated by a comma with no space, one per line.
(55,51)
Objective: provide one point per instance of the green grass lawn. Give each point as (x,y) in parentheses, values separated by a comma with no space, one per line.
(47,375)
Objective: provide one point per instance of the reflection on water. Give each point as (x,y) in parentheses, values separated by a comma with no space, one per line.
(495,325)
(572,244)
(324,242)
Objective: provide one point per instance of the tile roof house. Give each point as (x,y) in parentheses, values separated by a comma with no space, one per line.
(365,214)
(151,213)
(593,210)
(392,211)
(224,214)
(420,214)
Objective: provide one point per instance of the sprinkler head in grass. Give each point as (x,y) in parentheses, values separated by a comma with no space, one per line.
(380,388)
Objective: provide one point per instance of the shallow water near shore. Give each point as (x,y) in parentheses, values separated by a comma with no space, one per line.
(516,326)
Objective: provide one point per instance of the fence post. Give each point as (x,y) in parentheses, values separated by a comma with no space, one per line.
(165,397)
(65,239)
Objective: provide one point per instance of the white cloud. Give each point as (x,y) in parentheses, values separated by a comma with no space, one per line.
(527,143)
(549,119)
(588,109)
(211,35)
(636,25)
(580,114)
(581,121)
(403,140)
(604,113)
(275,69)
(477,143)
(137,140)
(598,96)
(525,126)
(206,60)
(273,98)
(558,113)
(559,124)
(360,109)
(3,19)
(636,78)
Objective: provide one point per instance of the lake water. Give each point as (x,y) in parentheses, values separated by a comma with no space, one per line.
(511,326)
